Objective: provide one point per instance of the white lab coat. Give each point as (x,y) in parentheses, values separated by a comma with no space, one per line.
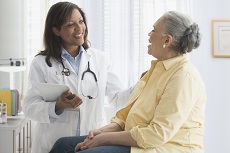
(49,129)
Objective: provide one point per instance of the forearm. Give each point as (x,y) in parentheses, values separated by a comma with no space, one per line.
(108,135)
(118,138)
(112,127)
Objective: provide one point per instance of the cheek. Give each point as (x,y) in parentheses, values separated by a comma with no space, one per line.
(153,45)
(66,35)
(84,28)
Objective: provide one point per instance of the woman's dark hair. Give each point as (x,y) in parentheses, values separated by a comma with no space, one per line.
(56,17)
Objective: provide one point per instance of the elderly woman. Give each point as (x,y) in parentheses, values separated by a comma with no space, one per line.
(165,112)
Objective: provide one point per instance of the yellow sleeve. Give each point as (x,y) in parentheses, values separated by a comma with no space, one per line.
(119,122)
(179,98)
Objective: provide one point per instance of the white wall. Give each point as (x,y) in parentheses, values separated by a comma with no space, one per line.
(216,74)
(11,36)
(93,13)
(11,28)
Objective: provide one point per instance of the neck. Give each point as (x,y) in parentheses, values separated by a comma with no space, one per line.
(73,51)
(168,54)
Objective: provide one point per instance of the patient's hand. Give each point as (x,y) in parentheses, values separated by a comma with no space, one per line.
(96,140)
(93,133)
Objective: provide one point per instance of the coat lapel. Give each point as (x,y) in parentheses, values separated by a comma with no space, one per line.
(84,61)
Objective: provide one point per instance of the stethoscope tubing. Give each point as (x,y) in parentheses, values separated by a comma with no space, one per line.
(66,72)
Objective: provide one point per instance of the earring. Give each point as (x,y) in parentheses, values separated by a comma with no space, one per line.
(164,46)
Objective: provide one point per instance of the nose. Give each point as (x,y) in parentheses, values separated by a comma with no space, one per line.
(149,33)
(77,27)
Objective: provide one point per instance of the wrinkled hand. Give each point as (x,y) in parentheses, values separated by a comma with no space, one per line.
(68,100)
(92,140)
(94,133)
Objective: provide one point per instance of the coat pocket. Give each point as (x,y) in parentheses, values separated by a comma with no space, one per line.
(52,132)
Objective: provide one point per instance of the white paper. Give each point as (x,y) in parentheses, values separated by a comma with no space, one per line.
(51,92)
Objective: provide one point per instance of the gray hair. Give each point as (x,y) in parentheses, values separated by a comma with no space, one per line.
(185,33)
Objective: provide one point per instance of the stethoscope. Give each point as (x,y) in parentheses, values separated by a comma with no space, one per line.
(66,72)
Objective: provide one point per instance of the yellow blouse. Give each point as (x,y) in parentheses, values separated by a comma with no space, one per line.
(166,111)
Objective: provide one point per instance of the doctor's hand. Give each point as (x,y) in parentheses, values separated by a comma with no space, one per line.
(68,100)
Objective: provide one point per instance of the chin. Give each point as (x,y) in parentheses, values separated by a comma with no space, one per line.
(149,52)
(79,43)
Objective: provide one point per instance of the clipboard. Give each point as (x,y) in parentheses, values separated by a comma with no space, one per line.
(51,92)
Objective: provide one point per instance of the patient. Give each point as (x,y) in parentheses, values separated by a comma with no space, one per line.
(165,112)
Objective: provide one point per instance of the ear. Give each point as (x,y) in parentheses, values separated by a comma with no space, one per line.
(168,40)
(56,31)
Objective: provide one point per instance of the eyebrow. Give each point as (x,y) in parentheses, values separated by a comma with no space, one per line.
(70,20)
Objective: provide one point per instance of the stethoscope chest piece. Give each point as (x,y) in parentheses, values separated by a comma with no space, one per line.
(65,71)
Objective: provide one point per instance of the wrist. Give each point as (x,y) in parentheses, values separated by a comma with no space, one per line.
(58,106)
(103,139)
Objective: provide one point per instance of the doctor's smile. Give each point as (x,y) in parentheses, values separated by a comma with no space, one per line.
(79,36)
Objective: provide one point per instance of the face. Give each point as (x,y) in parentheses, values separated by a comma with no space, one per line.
(72,31)
(156,40)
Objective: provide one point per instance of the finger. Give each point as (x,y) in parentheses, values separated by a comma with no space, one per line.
(77,103)
(91,135)
(63,95)
(77,148)
(80,102)
(75,106)
(66,93)
(77,99)
(98,132)
(70,96)
(84,148)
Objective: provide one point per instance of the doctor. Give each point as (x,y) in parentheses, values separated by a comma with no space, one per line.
(68,59)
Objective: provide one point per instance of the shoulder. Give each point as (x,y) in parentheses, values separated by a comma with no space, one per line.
(96,52)
(187,72)
(38,59)
(100,57)
(42,58)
